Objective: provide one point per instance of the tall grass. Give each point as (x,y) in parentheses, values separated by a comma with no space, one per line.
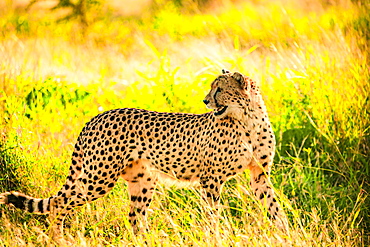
(312,64)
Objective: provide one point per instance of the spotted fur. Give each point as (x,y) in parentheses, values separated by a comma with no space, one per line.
(143,146)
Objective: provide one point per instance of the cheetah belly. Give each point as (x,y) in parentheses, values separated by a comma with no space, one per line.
(172,180)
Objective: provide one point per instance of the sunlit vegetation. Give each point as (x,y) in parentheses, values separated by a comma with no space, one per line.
(311,59)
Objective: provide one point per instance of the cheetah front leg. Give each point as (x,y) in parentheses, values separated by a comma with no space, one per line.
(262,188)
(141,184)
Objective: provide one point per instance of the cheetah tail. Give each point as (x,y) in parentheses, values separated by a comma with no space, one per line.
(26,203)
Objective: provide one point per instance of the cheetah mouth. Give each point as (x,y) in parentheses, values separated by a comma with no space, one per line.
(219,111)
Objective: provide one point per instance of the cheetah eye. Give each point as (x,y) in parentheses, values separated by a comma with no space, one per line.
(218,90)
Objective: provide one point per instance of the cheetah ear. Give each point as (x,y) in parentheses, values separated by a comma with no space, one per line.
(240,79)
(225,71)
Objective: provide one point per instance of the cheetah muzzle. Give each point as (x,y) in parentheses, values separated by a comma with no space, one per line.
(144,146)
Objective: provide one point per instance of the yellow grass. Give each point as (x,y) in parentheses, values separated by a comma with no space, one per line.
(308,57)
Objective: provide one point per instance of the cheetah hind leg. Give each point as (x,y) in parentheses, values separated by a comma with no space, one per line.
(261,185)
(141,184)
(73,195)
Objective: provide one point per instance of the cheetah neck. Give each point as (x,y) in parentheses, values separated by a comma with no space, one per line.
(253,111)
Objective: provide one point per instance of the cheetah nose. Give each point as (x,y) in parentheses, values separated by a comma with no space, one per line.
(206,101)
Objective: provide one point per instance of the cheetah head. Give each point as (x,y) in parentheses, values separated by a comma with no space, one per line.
(229,95)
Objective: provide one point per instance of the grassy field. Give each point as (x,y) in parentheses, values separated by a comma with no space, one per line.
(311,59)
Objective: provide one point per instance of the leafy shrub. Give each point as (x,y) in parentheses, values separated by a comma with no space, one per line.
(51,95)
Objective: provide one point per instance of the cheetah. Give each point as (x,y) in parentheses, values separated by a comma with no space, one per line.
(144,146)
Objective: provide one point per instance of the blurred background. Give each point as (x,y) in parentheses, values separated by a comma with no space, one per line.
(64,61)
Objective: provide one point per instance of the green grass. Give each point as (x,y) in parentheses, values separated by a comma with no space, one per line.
(312,62)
